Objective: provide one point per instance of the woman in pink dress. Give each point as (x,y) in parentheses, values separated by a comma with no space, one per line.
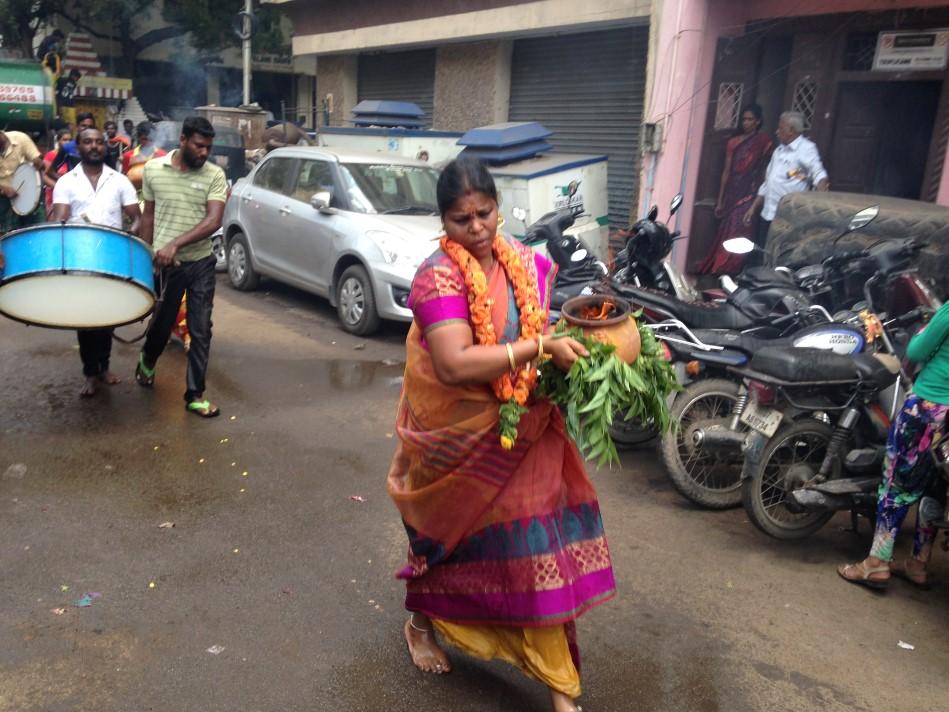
(746,159)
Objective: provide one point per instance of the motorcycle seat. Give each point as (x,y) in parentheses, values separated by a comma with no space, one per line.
(879,370)
(803,364)
(739,341)
(762,277)
(699,315)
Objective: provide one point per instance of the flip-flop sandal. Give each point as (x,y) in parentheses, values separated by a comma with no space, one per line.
(863,574)
(203,409)
(899,569)
(144,376)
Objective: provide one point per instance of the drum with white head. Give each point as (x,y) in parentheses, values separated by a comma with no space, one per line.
(29,188)
(75,276)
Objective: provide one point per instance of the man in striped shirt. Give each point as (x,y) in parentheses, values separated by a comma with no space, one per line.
(184,201)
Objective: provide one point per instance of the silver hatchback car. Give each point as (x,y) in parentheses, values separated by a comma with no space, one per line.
(349,226)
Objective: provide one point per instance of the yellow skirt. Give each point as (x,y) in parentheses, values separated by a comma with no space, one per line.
(541,653)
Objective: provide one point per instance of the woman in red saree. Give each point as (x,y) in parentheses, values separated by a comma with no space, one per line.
(506,542)
(746,159)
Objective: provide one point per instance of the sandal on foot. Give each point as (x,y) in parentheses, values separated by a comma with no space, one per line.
(918,579)
(203,408)
(860,573)
(144,376)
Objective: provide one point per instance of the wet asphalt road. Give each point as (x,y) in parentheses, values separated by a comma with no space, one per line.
(270,559)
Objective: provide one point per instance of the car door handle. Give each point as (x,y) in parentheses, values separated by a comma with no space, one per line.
(247,197)
(285,210)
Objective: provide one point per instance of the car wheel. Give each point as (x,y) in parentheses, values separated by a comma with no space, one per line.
(240,269)
(356,303)
(219,252)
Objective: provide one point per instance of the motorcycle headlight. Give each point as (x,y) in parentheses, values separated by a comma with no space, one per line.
(394,250)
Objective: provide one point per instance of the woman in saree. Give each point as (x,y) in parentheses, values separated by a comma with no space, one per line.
(506,542)
(746,159)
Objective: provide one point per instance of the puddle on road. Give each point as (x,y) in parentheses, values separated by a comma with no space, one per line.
(355,375)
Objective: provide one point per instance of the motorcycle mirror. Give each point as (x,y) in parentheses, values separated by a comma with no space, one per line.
(653,213)
(863,218)
(675,204)
(579,255)
(739,245)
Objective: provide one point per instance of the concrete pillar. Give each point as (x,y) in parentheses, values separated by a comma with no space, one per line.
(472,85)
(336,77)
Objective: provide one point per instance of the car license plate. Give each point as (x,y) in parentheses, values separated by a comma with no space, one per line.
(764,420)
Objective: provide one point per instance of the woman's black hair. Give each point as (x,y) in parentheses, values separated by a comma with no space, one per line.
(755,110)
(463,175)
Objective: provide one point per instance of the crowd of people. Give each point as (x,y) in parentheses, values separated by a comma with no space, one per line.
(89,180)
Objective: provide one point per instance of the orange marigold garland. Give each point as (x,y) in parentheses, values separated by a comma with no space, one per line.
(512,392)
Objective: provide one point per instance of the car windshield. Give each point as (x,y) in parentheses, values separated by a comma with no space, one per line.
(390,188)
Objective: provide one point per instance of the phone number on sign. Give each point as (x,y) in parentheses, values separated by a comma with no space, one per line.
(14,93)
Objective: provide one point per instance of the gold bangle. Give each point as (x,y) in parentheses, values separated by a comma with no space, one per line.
(540,347)
(510,356)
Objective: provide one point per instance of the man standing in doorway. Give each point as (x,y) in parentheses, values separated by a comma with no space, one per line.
(94,193)
(795,166)
(184,202)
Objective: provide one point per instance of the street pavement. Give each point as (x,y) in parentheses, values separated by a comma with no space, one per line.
(275,590)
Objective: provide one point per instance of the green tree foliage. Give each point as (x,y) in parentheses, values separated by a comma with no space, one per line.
(207,23)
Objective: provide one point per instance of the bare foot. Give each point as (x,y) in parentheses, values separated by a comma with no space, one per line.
(109,378)
(424,649)
(562,703)
(89,389)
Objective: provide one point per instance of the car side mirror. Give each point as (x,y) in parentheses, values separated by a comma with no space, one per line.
(321,201)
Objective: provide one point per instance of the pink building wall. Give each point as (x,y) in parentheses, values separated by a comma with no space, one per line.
(684,62)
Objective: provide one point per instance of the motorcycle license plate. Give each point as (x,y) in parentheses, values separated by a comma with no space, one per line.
(764,420)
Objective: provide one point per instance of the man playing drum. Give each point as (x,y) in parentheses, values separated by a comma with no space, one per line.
(184,202)
(16,148)
(93,193)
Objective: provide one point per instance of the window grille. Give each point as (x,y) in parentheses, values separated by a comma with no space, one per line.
(728,109)
(805,99)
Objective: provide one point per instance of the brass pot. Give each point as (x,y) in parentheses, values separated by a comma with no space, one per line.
(619,328)
(136,174)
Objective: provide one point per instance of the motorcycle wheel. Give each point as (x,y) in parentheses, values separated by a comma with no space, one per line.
(764,487)
(630,433)
(710,479)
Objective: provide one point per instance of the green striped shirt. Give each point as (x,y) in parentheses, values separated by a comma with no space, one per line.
(181,201)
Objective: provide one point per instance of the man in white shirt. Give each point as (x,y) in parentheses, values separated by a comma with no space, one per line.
(93,193)
(795,166)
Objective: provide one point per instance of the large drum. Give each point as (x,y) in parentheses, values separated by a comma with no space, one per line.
(75,276)
(29,188)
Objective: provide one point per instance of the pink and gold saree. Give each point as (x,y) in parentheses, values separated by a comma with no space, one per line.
(506,548)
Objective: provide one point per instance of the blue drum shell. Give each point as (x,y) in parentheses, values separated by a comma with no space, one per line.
(77,248)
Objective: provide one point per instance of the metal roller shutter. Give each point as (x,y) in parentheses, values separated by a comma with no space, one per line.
(399,76)
(588,89)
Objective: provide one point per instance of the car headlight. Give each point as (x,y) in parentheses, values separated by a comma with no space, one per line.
(394,250)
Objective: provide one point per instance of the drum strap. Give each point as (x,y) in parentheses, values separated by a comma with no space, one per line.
(162,288)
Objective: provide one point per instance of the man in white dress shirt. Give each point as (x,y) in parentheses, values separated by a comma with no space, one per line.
(93,193)
(795,166)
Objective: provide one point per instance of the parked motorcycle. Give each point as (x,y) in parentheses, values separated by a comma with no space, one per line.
(830,426)
(702,456)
